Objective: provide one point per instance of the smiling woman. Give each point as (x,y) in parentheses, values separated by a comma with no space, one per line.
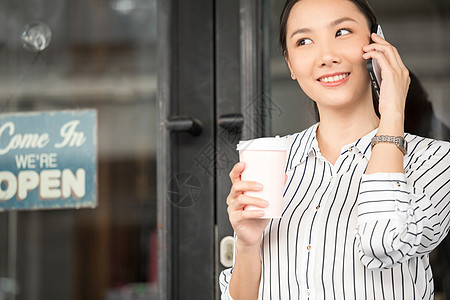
(364,202)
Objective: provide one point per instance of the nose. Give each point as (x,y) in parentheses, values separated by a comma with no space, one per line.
(329,55)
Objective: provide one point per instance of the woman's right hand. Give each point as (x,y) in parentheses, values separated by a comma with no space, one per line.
(247,224)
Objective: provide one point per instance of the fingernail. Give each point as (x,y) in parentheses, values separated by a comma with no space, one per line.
(259,186)
(265,203)
(260,213)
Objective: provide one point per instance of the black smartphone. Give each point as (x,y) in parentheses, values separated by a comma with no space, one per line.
(373,67)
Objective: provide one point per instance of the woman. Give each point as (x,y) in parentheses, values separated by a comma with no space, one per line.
(361,213)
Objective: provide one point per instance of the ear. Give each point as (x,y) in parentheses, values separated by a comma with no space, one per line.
(286,58)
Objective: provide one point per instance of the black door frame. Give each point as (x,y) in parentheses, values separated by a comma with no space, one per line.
(241,67)
(211,75)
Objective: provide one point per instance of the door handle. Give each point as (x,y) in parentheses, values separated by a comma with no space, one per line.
(187,124)
(227,251)
(231,122)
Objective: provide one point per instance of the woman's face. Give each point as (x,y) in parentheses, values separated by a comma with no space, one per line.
(324,51)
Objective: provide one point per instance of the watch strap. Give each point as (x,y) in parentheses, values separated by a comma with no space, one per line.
(399,141)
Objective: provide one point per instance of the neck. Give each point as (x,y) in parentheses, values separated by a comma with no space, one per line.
(339,127)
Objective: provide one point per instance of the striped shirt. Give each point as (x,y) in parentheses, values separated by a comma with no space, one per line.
(348,235)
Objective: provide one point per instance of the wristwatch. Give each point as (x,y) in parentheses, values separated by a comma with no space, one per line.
(399,141)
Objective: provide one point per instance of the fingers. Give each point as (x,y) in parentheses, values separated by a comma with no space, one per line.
(378,50)
(395,75)
(382,46)
(240,186)
(387,57)
(251,214)
(389,65)
(381,59)
(237,200)
(236,208)
(244,186)
(242,200)
(235,174)
(378,39)
(385,45)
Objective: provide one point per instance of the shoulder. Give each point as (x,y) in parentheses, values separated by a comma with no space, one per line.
(423,148)
(423,145)
(299,145)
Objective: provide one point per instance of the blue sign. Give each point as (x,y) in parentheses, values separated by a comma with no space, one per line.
(48,160)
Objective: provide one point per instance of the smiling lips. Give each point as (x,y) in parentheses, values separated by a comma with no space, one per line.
(333,79)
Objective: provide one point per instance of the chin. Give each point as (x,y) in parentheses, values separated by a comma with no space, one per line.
(339,100)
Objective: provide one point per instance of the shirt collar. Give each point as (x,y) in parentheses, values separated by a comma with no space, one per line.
(305,144)
(363,144)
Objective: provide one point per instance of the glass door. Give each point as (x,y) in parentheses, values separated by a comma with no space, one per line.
(175,85)
(211,96)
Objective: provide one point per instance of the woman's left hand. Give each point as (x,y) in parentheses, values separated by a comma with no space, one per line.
(395,78)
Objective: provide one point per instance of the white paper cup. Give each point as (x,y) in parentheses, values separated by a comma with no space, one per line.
(265,160)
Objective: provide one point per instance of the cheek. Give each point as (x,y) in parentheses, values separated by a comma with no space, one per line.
(356,53)
(302,65)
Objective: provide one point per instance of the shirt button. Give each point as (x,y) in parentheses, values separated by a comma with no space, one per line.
(308,247)
(308,292)
(331,178)
(410,212)
(350,148)
(317,207)
(398,184)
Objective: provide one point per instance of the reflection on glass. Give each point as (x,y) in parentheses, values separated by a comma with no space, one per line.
(36,37)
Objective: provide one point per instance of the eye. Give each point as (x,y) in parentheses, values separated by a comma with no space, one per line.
(302,42)
(343,31)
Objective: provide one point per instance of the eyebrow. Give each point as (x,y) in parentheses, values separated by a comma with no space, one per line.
(333,23)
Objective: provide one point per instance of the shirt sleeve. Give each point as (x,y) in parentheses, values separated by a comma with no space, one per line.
(224,283)
(402,215)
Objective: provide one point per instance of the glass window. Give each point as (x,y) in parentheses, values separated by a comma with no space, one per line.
(57,55)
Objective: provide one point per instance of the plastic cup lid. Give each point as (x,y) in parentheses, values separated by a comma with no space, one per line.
(266,143)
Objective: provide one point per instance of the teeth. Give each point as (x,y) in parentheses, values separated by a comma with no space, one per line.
(334,78)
